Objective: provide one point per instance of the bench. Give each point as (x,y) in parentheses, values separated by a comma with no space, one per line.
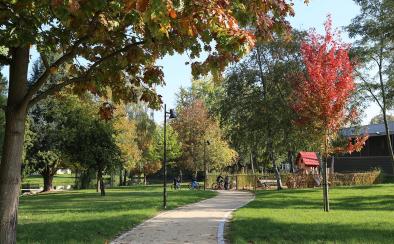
(265,183)
(30,188)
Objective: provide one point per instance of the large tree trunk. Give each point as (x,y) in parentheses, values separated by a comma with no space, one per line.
(11,161)
(48,174)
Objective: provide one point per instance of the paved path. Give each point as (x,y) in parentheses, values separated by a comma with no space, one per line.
(201,222)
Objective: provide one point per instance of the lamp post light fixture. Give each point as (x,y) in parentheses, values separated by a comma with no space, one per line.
(172,115)
(205,164)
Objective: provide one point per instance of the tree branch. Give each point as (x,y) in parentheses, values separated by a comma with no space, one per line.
(367,85)
(52,90)
(86,76)
(44,76)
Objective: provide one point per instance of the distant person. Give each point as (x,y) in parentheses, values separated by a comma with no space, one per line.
(219,182)
(194,184)
(227,182)
(177,183)
(219,179)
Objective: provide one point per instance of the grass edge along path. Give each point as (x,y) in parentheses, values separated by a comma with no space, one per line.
(362,214)
(85,217)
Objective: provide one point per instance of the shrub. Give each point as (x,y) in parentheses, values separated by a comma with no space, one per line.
(301,180)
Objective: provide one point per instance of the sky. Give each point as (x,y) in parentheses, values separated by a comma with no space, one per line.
(313,15)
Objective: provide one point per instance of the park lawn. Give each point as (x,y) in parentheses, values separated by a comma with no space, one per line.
(362,214)
(58,180)
(85,217)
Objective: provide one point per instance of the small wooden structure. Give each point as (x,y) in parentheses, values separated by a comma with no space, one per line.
(307,162)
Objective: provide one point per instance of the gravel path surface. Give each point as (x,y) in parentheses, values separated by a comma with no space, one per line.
(201,222)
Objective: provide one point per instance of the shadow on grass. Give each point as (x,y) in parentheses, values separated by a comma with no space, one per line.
(85,216)
(268,231)
(344,198)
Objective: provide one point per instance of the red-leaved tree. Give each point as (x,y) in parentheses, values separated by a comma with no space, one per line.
(323,93)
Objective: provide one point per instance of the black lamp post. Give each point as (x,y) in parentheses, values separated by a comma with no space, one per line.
(172,116)
(205,164)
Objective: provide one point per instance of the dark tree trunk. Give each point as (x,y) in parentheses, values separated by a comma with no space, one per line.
(120,177)
(85,179)
(290,160)
(47,174)
(125,178)
(11,161)
(101,182)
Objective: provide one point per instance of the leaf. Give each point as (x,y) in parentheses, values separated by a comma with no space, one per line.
(53,70)
(142,5)
(172,13)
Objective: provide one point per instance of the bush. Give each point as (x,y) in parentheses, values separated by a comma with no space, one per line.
(350,179)
(301,180)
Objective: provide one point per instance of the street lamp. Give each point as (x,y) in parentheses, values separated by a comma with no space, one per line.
(172,116)
(205,164)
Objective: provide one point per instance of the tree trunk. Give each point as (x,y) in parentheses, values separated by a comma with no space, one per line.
(97,183)
(251,162)
(11,161)
(325,179)
(144,179)
(277,174)
(120,177)
(388,139)
(290,160)
(125,178)
(101,182)
(48,179)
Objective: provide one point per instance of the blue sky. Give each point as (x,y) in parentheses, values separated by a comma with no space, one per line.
(177,74)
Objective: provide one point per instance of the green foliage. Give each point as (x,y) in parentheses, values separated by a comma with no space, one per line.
(174,146)
(195,127)
(120,41)
(127,138)
(373,50)
(360,214)
(255,103)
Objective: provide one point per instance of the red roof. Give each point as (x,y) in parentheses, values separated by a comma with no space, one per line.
(308,158)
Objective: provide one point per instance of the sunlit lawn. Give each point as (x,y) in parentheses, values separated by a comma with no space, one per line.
(86,217)
(359,215)
(58,180)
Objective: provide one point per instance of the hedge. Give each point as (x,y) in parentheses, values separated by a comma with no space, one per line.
(336,179)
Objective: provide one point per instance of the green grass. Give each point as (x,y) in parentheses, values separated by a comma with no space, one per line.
(58,180)
(85,217)
(358,215)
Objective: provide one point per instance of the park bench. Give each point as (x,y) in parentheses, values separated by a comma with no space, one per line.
(30,188)
(266,183)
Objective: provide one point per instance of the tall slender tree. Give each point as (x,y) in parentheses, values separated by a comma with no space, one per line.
(374,52)
(323,93)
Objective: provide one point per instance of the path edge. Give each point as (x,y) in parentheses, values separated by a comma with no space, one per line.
(160,213)
(220,234)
